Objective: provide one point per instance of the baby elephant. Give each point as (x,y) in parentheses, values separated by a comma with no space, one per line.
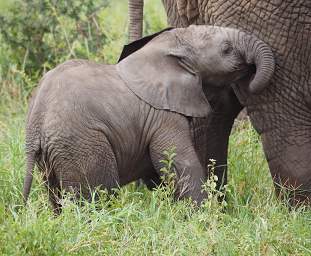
(94,125)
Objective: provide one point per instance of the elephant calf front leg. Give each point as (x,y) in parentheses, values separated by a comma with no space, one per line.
(190,174)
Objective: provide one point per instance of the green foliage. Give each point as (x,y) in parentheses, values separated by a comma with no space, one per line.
(215,197)
(168,169)
(42,33)
(154,16)
(167,188)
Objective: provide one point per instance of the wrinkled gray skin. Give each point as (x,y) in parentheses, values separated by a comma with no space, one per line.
(282,113)
(93,125)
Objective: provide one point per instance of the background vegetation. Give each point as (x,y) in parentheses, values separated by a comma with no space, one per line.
(36,35)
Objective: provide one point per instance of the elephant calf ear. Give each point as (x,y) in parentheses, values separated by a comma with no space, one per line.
(159,80)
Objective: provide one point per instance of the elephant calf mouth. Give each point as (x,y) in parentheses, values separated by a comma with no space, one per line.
(244,73)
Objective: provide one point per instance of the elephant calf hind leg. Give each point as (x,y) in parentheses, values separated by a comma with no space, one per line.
(53,189)
(82,176)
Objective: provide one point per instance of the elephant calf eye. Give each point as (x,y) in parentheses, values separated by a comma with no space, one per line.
(227,48)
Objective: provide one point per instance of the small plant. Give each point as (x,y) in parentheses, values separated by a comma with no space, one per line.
(168,176)
(215,197)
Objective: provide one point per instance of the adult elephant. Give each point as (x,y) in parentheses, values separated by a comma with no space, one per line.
(281,114)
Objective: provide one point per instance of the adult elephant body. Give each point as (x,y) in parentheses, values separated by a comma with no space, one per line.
(282,113)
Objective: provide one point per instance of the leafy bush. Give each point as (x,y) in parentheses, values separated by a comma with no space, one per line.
(43,33)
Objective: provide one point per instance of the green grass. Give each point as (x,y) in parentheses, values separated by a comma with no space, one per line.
(140,222)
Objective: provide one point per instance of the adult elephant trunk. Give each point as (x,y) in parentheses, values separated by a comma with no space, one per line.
(259,53)
(135,29)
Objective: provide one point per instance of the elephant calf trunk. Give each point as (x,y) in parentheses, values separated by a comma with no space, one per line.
(259,53)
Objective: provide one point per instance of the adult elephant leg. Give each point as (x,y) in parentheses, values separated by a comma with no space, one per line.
(135,27)
(286,141)
(211,139)
(290,174)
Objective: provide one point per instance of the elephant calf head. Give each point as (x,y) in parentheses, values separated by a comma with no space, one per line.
(167,72)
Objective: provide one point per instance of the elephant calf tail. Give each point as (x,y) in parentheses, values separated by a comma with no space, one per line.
(30,158)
